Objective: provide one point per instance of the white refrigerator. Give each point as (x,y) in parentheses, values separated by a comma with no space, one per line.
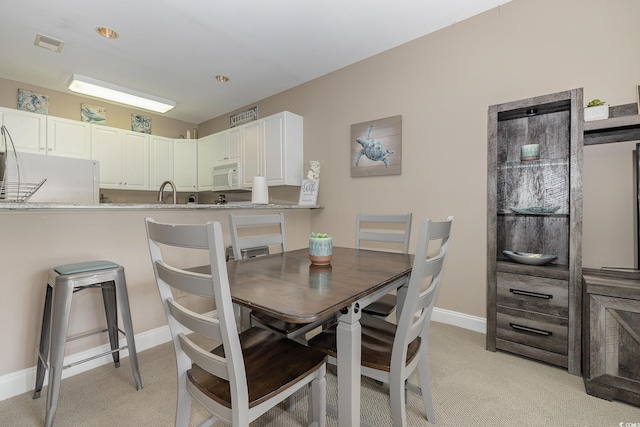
(68,180)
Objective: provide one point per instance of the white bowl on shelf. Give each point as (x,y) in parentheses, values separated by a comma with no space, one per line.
(530,258)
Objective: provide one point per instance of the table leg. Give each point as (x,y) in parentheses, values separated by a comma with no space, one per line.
(349,349)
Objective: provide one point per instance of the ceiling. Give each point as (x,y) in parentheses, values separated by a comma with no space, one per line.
(174,48)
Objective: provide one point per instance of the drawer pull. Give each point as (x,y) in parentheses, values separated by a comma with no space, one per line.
(530,294)
(528,329)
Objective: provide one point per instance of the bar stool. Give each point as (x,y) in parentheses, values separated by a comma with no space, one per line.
(63,282)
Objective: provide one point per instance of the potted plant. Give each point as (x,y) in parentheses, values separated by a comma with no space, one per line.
(596,110)
(320,248)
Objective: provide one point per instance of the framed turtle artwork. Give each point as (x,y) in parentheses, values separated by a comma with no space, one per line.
(376,147)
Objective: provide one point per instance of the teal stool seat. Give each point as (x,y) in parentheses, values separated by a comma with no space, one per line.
(83,267)
(63,282)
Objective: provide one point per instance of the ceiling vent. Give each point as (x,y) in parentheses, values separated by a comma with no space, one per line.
(50,43)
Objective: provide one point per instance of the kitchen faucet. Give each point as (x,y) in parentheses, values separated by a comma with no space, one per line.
(173,189)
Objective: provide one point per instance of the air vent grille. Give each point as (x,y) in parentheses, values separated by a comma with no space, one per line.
(49,43)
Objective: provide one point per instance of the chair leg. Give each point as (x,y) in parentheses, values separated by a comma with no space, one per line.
(125,311)
(317,396)
(397,398)
(111,312)
(425,382)
(43,350)
(61,307)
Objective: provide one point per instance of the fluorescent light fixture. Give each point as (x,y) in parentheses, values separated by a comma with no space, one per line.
(108,91)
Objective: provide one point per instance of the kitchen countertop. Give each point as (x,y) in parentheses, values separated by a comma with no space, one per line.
(10,207)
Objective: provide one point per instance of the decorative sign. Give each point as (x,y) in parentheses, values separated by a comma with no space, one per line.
(376,147)
(309,192)
(244,117)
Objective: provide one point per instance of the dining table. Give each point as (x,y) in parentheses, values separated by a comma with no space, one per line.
(288,287)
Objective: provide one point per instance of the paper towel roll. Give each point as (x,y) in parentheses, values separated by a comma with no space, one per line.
(260,191)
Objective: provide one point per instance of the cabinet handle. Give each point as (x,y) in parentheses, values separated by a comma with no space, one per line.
(530,294)
(528,329)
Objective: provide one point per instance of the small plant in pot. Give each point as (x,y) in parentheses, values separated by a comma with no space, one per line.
(320,248)
(596,110)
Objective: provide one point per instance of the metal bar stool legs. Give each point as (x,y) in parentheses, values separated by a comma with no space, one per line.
(63,282)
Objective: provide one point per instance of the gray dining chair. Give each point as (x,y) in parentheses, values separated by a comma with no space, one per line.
(390,353)
(391,232)
(249,372)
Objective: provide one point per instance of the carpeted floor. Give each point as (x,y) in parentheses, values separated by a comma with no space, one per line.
(471,387)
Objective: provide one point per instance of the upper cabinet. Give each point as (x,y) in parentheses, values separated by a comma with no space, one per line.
(205,162)
(123,157)
(28,130)
(185,164)
(68,138)
(161,161)
(227,145)
(272,147)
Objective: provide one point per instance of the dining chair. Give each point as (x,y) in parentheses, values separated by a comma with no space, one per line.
(396,238)
(249,372)
(390,353)
(249,231)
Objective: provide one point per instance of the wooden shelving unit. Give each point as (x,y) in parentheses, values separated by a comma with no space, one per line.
(623,124)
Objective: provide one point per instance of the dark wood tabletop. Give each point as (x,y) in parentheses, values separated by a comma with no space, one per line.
(287,286)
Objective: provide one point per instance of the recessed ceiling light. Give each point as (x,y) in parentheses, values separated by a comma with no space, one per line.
(222,78)
(107,32)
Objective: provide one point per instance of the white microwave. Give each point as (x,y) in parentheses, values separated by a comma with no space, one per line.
(227,177)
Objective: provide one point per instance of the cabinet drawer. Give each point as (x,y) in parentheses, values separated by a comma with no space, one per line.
(538,294)
(532,329)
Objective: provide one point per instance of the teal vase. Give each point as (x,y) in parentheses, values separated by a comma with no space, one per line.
(320,250)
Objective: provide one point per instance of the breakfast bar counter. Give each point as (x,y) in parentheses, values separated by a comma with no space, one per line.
(38,236)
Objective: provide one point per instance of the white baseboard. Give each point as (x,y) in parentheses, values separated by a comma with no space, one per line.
(23,381)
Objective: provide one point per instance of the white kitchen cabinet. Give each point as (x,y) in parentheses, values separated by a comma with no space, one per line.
(227,145)
(123,157)
(185,164)
(272,147)
(205,162)
(161,161)
(68,138)
(28,130)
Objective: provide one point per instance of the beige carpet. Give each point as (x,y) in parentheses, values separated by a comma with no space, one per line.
(471,387)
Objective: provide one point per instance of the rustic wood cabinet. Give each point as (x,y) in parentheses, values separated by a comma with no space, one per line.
(611,331)
(535,310)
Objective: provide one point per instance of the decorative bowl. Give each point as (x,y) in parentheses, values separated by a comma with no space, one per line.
(529,258)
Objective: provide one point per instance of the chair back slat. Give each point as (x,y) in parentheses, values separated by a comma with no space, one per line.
(426,274)
(189,282)
(208,361)
(206,326)
(255,222)
(380,234)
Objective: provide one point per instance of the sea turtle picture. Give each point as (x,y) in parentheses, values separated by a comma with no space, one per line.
(372,149)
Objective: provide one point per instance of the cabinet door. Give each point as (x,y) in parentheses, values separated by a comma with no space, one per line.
(274,150)
(185,164)
(234,138)
(135,160)
(206,150)
(161,161)
(252,153)
(220,147)
(106,148)
(28,130)
(68,138)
